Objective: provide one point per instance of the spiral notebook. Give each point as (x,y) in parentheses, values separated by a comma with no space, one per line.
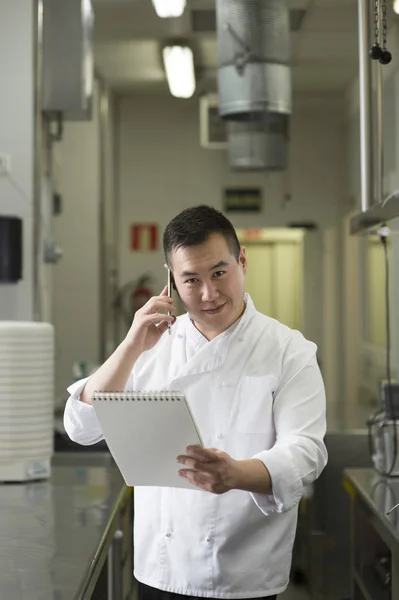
(145,432)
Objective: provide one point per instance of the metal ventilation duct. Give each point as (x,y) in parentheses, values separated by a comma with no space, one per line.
(258,146)
(254,74)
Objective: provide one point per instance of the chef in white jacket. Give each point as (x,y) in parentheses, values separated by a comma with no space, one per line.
(257,395)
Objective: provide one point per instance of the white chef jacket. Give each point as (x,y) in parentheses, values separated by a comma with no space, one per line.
(256,391)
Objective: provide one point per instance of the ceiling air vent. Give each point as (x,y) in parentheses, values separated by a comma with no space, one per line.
(258,146)
(254,58)
(204,21)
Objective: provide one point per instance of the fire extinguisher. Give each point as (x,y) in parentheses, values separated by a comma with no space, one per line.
(141,294)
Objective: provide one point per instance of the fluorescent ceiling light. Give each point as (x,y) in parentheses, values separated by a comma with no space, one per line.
(179,67)
(396,6)
(169,8)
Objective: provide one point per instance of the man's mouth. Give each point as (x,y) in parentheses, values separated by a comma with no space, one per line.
(215,311)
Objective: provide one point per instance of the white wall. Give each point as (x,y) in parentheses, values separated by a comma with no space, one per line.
(70,291)
(108,230)
(162,170)
(76,278)
(17,140)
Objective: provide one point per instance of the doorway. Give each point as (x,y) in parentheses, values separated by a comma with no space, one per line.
(275,272)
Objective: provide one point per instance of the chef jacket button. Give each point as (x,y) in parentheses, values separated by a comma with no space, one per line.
(220,436)
(209,539)
(168,534)
(224,384)
(180,336)
(241,339)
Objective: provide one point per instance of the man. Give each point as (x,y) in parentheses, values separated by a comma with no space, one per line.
(258,398)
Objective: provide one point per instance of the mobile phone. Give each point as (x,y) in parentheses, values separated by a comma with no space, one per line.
(170,295)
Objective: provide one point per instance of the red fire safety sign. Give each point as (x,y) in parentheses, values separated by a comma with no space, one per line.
(144,237)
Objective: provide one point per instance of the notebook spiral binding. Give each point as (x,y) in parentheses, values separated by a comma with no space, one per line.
(167,396)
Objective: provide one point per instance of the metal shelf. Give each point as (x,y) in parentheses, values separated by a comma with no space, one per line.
(369,585)
(375,216)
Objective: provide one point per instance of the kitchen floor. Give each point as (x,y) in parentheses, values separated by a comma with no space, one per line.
(294,592)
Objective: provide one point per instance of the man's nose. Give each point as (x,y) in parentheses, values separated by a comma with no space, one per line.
(209,292)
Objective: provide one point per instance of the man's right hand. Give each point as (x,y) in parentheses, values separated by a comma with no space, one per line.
(144,332)
(143,335)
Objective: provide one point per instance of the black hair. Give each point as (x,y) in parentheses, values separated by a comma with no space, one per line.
(193,226)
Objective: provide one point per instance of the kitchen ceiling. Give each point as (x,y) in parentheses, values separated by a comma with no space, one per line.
(129,37)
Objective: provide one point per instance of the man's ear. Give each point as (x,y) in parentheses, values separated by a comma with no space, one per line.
(242,259)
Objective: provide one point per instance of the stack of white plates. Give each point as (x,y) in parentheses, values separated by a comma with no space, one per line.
(26,400)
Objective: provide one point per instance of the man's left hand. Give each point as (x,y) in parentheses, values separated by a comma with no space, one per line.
(214,471)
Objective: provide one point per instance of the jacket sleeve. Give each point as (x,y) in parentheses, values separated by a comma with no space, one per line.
(299,454)
(80,420)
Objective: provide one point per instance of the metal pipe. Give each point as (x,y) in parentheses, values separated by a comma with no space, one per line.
(114,568)
(365,97)
(117,584)
(102,107)
(37,225)
(379,146)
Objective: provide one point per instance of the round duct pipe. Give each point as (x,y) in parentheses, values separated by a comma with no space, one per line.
(254,74)
(258,146)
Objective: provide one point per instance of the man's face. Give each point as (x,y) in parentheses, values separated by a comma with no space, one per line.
(210,283)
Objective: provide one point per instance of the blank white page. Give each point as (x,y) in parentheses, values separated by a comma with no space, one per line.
(145,432)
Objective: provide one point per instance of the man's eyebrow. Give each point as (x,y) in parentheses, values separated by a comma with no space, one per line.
(221,263)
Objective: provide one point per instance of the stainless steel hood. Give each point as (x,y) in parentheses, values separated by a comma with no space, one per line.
(375,210)
(375,215)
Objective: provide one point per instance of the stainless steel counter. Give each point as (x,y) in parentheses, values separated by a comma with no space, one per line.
(322,548)
(55,534)
(380,494)
(375,535)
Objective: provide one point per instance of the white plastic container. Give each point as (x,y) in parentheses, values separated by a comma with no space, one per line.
(26,400)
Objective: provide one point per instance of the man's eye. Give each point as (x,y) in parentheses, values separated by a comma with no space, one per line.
(219,273)
(191,281)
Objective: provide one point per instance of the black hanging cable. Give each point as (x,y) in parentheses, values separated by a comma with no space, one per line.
(385,417)
(378,52)
(386,56)
(375,50)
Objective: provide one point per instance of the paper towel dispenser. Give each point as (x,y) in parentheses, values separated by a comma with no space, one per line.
(10,249)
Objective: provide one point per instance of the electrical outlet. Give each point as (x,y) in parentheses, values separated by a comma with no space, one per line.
(5,165)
